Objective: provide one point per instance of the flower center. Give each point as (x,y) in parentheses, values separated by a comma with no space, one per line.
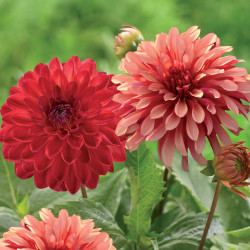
(238,165)
(179,81)
(61,115)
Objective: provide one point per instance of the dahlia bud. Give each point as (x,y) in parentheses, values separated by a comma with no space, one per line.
(232,166)
(127,40)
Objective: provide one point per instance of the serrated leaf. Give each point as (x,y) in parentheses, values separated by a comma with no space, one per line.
(108,191)
(8,218)
(230,206)
(146,190)
(102,218)
(47,198)
(186,232)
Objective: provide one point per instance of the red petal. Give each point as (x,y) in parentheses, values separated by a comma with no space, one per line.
(92,141)
(41,162)
(60,169)
(75,142)
(55,64)
(118,153)
(82,171)
(69,70)
(53,147)
(71,182)
(68,153)
(59,78)
(38,143)
(40,179)
(92,181)
(100,81)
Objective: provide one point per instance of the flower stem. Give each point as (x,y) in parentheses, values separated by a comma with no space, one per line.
(9,181)
(84,192)
(210,216)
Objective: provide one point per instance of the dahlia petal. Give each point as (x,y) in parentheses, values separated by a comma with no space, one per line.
(197,157)
(227,120)
(230,102)
(40,179)
(74,141)
(68,153)
(155,86)
(104,96)
(110,136)
(16,101)
(83,156)
(42,162)
(53,147)
(70,182)
(234,72)
(92,141)
(131,119)
(166,150)
(32,105)
(181,108)
(158,111)
(222,134)
(45,86)
(38,143)
(70,88)
(59,169)
(118,153)
(59,78)
(169,96)
(198,113)
(104,155)
(192,128)
(143,103)
(244,87)
(29,87)
(82,171)
(100,82)
(228,85)
(55,64)
(150,76)
(121,98)
(172,121)
(200,143)
(83,78)
(19,118)
(90,66)
(196,93)
(139,88)
(69,70)
(92,181)
(184,163)
(147,125)
(179,141)
(157,133)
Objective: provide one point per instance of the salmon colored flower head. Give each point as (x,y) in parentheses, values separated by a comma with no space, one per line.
(232,166)
(59,125)
(181,87)
(65,232)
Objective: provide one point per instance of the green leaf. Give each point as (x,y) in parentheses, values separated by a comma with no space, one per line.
(146,190)
(102,218)
(23,207)
(208,170)
(186,232)
(230,206)
(47,198)
(240,235)
(108,191)
(8,218)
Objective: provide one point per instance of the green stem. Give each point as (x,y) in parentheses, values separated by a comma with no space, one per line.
(210,216)
(9,181)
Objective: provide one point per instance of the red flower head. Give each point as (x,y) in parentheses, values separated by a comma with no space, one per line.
(63,232)
(59,123)
(180,87)
(232,166)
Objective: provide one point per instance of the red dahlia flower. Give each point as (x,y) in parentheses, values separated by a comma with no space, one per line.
(59,125)
(64,232)
(180,87)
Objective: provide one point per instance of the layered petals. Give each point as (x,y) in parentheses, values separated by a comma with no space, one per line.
(64,232)
(181,89)
(59,125)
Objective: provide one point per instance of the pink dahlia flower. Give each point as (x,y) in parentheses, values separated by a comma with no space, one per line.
(181,86)
(65,232)
(59,125)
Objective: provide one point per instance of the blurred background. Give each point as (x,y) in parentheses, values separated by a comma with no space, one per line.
(36,31)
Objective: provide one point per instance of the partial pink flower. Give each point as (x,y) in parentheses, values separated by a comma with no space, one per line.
(232,167)
(65,232)
(181,87)
(59,125)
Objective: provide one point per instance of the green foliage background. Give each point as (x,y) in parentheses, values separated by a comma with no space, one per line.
(34,31)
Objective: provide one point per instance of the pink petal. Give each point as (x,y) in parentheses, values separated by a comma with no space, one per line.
(181,108)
